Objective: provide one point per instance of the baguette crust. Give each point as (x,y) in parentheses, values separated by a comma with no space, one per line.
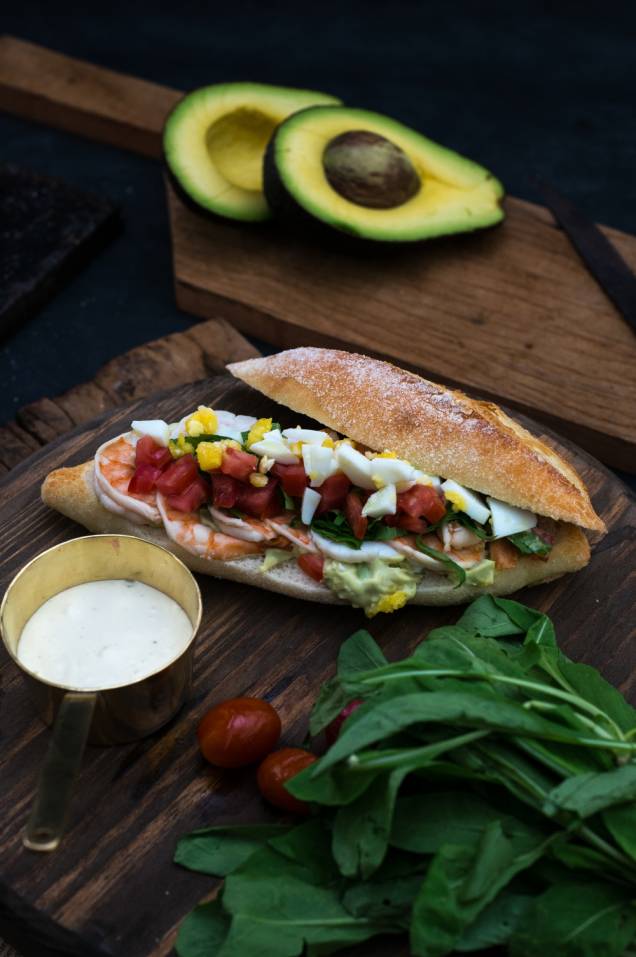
(71,491)
(439,430)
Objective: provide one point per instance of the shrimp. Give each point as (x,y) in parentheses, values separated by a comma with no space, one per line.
(247,529)
(466,557)
(114,468)
(296,536)
(456,537)
(187,530)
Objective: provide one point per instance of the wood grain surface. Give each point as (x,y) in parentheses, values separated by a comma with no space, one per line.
(204,349)
(510,312)
(111,888)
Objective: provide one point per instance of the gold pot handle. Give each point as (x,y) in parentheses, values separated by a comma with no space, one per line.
(47,820)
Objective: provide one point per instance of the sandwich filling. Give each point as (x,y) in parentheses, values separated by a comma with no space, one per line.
(366,524)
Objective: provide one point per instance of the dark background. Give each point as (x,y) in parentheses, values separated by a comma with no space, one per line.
(519,86)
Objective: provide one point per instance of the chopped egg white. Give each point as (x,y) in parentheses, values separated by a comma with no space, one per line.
(390,471)
(356,467)
(311,500)
(366,552)
(157,429)
(423,479)
(320,463)
(312,436)
(465,501)
(239,423)
(508,520)
(273,445)
(381,503)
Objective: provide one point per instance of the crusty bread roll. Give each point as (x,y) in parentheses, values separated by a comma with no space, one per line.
(383,407)
(439,430)
(71,492)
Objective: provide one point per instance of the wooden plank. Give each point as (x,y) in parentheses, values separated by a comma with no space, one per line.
(73,95)
(112,882)
(165,363)
(511,313)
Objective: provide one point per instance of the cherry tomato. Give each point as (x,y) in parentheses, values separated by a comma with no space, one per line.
(192,496)
(238,464)
(144,478)
(312,565)
(259,502)
(332,731)
(179,474)
(224,491)
(353,514)
(416,525)
(421,500)
(333,491)
(293,478)
(279,767)
(238,731)
(149,452)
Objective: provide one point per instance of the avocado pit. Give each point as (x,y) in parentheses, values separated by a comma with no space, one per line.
(369,170)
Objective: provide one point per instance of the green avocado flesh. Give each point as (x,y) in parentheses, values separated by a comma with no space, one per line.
(215,139)
(370,176)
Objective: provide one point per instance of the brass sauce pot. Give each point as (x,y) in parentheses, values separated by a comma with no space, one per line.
(112,715)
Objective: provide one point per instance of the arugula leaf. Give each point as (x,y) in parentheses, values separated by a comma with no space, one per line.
(529,543)
(336,528)
(377,531)
(473,526)
(486,617)
(288,503)
(620,821)
(444,559)
(244,437)
(220,850)
(203,931)
(577,919)
(196,440)
(496,922)
(586,794)
(359,653)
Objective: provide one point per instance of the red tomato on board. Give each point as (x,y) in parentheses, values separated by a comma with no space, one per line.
(421,500)
(238,731)
(224,490)
(353,514)
(149,452)
(332,731)
(334,492)
(144,479)
(259,502)
(312,565)
(238,464)
(293,478)
(279,767)
(178,476)
(192,496)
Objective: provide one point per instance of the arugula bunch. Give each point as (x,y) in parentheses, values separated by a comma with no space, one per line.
(483,794)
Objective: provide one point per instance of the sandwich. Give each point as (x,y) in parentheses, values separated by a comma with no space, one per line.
(397,490)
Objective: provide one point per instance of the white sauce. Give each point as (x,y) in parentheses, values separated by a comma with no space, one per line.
(103,634)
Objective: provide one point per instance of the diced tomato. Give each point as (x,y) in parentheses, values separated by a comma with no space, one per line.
(293,478)
(334,492)
(312,565)
(421,500)
(224,491)
(144,478)
(353,514)
(178,476)
(416,525)
(191,498)
(259,502)
(238,464)
(149,452)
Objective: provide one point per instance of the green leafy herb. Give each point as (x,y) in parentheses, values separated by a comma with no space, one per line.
(288,503)
(529,543)
(442,557)
(244,437)
(334,526)
(482,794)
(195,440)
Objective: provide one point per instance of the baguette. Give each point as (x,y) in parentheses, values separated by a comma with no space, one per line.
(379,406)
(71,491)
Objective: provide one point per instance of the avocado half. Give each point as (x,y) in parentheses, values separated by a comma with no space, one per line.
(215,138)
(369,176)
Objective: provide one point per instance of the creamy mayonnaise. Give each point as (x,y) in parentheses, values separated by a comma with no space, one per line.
(103,634)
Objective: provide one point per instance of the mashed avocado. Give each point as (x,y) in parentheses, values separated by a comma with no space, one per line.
(481,574)
(375,586)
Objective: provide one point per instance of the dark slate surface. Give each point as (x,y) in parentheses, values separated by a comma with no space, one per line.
(521,87)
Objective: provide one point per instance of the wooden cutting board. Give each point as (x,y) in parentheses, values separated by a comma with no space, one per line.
(511,313)
(111,888)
